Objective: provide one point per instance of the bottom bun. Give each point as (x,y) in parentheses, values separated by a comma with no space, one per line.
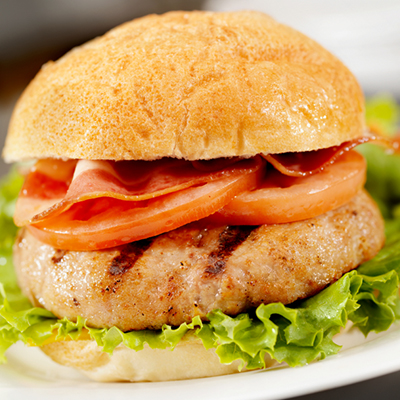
(188,360)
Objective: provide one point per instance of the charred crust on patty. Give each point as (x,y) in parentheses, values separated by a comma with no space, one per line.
(58,255)
(280,259)
(229,240)
(128,256)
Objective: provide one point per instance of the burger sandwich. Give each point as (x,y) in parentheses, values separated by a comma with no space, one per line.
(196,206)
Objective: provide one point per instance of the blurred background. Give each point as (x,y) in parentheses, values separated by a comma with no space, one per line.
(364,34)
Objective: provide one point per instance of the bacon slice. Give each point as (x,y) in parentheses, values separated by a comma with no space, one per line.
(86,205)
(311,162)
(53,186)
(93,223)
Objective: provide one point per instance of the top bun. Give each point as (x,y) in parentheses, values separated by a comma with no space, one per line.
(193,85)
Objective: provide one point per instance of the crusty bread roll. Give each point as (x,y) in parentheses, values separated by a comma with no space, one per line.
(194,85)
(188,360)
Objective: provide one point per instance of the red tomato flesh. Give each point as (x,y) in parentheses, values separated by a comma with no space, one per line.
(281,198)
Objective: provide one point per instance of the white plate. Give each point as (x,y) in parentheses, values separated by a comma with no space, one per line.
(29,374)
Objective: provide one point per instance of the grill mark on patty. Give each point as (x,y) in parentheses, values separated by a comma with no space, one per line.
(229,240)
(128,256)
(58,256)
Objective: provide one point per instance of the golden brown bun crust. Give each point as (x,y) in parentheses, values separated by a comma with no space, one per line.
(188,360)
(193,85)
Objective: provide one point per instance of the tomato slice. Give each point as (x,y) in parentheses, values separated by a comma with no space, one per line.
(105,222)
(281,199)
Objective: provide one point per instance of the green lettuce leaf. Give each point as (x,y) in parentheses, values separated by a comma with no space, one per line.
(383,178)
(383,173)
(296,334)
(383,113)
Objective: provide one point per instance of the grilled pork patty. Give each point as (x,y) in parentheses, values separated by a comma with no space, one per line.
(171,278)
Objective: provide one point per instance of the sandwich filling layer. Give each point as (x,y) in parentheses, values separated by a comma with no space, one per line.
(92,205)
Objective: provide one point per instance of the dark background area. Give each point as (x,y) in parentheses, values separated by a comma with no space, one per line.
(35,31)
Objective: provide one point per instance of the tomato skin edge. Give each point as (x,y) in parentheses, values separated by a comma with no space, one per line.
(257,212)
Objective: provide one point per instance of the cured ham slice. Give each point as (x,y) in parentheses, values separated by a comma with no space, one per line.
(86,205)
(110,203)
(53,186)
(311,162)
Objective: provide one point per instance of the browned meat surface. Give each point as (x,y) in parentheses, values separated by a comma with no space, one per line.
(195,269)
